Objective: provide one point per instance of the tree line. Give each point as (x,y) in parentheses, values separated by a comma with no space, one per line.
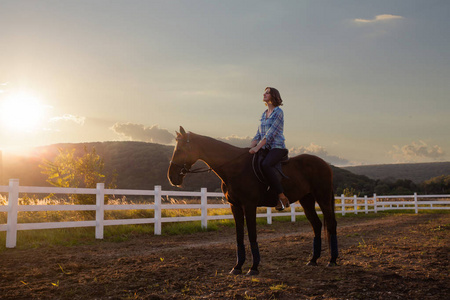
(138,165)
(347,183)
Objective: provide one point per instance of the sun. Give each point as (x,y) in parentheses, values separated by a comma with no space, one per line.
(21,111)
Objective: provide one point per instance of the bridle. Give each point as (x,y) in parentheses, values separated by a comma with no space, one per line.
(184,169)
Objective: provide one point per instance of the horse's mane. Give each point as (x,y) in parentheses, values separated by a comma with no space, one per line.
(216,142)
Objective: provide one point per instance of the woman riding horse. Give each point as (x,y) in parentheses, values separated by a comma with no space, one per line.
(308,180)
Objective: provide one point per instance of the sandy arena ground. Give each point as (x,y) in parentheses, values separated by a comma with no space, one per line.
(402,256)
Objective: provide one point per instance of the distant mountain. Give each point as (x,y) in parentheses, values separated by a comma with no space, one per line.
(417,172)
(141,165)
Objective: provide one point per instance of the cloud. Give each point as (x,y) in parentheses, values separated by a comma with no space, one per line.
(237,141)
(378,19)
(139,132)
(67,117)
(320,152)
(417,152)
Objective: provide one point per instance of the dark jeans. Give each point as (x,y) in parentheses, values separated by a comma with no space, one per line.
(273,157)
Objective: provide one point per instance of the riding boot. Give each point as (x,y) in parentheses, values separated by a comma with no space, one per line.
(283,202)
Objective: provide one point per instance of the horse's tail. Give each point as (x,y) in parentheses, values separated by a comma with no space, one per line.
(333,202)
(330,218)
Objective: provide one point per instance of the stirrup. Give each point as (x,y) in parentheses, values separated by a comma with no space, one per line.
(282,207)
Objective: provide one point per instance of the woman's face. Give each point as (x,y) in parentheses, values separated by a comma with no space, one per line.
(267,97)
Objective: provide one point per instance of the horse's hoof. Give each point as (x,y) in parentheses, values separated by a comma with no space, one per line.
(235,272)
(252,272)
(332,264)
(312,263)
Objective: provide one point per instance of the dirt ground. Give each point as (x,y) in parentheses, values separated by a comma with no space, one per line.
(402,256)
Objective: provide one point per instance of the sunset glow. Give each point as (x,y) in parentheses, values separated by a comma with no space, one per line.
(361,84)
(21,111)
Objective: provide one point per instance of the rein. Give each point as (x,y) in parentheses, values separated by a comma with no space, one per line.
(185,170)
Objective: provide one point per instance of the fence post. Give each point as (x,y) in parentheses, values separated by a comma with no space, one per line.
(13,207)
(204,209)
(157,229)
(416,204)
(269,215)
(375,203)
(343,204)
(100,210)
(355,204)
(292,213)
(366,208)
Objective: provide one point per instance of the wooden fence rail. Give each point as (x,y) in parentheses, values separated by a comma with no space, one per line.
(343,205)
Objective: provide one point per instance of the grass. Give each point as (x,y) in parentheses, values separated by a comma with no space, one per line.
(118,233)
(278,287)
(390,212)
(27,239)
(50,237)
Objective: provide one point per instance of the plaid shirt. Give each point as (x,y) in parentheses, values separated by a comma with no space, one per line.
(271,129)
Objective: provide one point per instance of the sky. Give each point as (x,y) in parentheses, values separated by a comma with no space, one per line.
(362,82)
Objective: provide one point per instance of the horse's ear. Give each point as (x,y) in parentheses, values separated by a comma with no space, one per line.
(182,130)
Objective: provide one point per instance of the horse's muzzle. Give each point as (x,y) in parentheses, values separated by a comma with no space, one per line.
(175,178)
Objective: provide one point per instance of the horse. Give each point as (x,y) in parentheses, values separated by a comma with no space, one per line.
(308,179)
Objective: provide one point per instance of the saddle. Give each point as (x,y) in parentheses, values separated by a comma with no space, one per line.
(270,197)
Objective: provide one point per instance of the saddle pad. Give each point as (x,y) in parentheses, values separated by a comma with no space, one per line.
(257,160)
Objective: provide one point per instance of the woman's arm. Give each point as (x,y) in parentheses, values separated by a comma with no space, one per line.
(255,148)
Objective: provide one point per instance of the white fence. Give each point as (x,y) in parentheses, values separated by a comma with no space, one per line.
(343,205)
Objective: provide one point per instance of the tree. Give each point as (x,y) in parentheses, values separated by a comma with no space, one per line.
(437,185)
(67,170)
(349,192)
(382,189)
(62,171)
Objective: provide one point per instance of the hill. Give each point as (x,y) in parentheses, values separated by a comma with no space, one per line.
(417,172)
(141,165)
(138,165)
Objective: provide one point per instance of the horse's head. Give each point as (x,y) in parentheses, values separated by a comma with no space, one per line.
(184,156)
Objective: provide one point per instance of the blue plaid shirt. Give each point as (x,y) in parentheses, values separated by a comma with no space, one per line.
(272,129)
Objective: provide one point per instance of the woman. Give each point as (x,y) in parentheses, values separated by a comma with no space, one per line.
(270,136)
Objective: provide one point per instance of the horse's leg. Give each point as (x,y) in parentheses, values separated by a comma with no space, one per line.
(238,214)
(250,217)
(333,243)
(308,204)
(329,218)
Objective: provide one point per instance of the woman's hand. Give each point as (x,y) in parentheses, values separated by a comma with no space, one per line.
(254,150)
(255,146)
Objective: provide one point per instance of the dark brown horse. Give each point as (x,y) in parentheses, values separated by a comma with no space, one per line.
(309,180)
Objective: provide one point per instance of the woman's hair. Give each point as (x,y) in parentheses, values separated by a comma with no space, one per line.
(276,97)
